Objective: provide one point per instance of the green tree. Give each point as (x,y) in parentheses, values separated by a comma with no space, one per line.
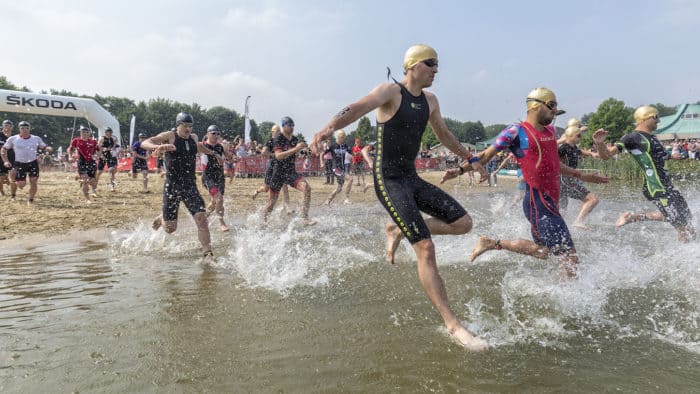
(612,115)
(492,131)
(473,132)
(364,130)
(664,110)
(429,137)
(265,131)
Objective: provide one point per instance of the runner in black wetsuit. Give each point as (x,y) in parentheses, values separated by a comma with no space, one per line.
(339,150)
(6,174)
(108,147)
(569,154)
(268,151)
(286,146)
(181,148)
(213,175)
(403,110)
(651,157)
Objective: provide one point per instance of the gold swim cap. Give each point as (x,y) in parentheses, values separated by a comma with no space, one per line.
(340,134)
(644,112)
(539,96)
(417,54)
(573,122)
(275,129)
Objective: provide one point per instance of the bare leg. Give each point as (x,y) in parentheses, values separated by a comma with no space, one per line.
(270,204)
(434,287)
(522,246)
(437,227)
(334,193)
(631,217)
(33,185)
(219,199)
(568,262)
(305,188)
(157,222)
(347,190)
(84,186)
(589,202)
(393,239)
(200,218)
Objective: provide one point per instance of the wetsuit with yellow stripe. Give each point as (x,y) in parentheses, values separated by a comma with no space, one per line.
(397,184)
(651,157)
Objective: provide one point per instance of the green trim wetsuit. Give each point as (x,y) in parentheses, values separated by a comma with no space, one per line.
(651,157)
(397,184)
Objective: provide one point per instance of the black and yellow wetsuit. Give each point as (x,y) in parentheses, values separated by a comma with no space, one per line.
(651,157)
(397,184)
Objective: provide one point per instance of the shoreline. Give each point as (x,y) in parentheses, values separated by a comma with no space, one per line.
(60,209)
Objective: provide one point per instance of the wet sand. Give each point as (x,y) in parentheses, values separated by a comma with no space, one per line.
(60,208)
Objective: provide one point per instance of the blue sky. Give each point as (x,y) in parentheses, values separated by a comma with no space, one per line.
(308,59)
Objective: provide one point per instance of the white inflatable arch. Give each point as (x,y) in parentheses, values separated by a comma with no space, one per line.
(45,104)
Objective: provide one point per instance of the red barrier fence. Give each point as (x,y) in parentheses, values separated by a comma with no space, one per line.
(255,166)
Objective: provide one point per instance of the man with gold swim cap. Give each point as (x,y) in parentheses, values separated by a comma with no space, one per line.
(534,144)
(403,111)
(651,157)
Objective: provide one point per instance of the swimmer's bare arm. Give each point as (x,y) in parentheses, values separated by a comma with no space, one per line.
(283,155)
(366,156)
(592,177)
(378,97)
(3,154)
(604,152)
(203,149)
(483,157)
(162,142)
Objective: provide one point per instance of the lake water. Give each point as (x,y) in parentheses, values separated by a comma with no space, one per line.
(294,309)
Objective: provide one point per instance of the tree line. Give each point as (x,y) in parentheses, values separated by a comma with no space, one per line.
(156,115)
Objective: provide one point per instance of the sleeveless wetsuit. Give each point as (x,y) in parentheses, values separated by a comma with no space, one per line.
(107,157)
(570,186)
(536,151)
(284,171)
(213,176)
(397,184)
(338,151)
(651,157)
(180,181)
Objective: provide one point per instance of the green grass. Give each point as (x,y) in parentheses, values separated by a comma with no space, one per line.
(625,168)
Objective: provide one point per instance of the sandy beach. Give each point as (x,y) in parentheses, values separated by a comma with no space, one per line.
(60,207)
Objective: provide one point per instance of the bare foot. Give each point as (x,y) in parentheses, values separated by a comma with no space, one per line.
(328,202)
(581,226)
(255,194)
(465,339)
(393,239)
(484,244)
(625,218)
(157,222)
(366,188)
(346,201)
(309,222)
(208,258)
(224,227)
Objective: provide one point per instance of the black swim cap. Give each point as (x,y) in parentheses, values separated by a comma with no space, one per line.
(7,121)
(108,129)
(24,123)
(213,128)
(287,121)
(183,117)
